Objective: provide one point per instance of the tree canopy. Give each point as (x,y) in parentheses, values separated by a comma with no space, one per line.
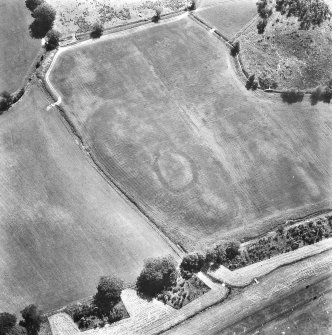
(108,293)
(44,16)
(32,319)
(33,4)
(53,38)
(7,322)
(157,275)
(192,263)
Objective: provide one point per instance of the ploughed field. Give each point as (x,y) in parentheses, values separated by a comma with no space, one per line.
(62,226)
(164,113)
(18,49)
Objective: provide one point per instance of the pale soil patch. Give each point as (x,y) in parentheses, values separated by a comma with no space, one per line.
(246,275)
(62,324)
(275,287)
(79,15)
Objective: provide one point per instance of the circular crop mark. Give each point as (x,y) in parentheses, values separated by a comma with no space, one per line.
(175,170)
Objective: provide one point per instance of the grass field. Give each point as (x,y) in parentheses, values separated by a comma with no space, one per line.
(61,224)
(17,48)
(164,113)
(228,16)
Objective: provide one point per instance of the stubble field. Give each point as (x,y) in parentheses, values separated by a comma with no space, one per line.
(61,225)
(165,115)
(18,49)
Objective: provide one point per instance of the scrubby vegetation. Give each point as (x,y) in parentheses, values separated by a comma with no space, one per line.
(233,255)
(183,292)
(105,307)
(5,101)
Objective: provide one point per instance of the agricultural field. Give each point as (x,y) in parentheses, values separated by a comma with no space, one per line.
(228,16)
(18,49)
(164,113)
(62,226)
(79,15)
(291,57)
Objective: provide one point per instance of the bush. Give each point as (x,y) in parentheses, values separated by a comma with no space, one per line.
(7,322)
(32,319)
(53,38)
(190,264)
(292,96)
(235,49)
(44,16)
(267,83)
(232,249)
(250,82)
(157,275)
(192,5)
(33,4)
(156,17)
(17,96)
(5,101)
(108,293)
(261,25)
(97,30)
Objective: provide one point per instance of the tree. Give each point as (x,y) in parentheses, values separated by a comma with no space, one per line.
(156,17)
(192,263)
(261,25)
(235,49)
(5,101)
(97,30)
(44,16)
(292,96)
(7,322)
(264,9)
(32,319)
(158,274)
(192,5)
(108,293)
(310,13)
(53,38)
(33,4)
(232,249)
(250,82)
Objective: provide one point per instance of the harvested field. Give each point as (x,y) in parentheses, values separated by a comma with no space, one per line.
(164,113)
(288,289)
(228,16)
(62,225)
(17,48)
